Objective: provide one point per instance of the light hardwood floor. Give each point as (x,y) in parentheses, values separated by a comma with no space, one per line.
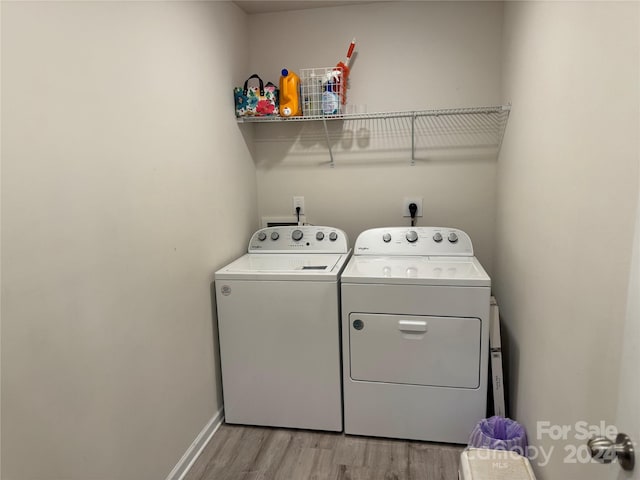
(255,453)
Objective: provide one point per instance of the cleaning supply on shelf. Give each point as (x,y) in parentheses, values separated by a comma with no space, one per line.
(311,86)
(330,103)
(289,94)
(345,67)
(330,95)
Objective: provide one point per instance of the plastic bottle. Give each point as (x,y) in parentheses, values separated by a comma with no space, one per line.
(289,94)
(330,95)
(330,103)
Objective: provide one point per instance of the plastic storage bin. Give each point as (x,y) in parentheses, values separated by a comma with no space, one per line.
(487,464)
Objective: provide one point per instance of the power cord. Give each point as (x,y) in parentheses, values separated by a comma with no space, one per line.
(413,208)
(298,214)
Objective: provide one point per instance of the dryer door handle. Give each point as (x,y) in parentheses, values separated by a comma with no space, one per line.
(412,325)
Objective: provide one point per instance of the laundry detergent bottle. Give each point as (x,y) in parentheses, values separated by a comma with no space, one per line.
(289,94)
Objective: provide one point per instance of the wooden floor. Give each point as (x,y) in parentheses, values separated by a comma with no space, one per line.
(256,453)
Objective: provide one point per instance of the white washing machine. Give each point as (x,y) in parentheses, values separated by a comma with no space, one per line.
(279,328)
(415,335)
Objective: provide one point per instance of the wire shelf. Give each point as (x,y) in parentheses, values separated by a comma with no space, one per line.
(499,110)
(431,129)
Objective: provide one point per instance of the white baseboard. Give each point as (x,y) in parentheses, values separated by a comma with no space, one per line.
(195,449)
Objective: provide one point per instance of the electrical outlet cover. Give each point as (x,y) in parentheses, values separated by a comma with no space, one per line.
(298,202)
(409,200)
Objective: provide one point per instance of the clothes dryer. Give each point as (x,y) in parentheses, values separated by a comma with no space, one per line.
(415,335)
(279,328)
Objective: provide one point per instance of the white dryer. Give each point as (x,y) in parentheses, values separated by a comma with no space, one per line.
(279,328)
(415,335)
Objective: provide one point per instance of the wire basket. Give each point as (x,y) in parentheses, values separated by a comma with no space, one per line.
(321,91)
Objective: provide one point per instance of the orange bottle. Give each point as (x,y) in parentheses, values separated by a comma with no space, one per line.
(289,94)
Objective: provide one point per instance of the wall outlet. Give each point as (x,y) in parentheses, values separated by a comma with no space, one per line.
(409,200)
(298,202)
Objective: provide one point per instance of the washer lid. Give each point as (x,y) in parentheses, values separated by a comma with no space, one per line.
(273,266)
(452,271)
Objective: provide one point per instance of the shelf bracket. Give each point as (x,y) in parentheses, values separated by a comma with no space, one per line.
(326,133)
(413,139)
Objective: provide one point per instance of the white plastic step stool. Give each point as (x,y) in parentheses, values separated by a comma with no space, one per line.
(486,464)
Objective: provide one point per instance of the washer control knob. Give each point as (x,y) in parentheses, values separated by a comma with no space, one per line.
(333,236)
(297,235)
(262,236)
(386,238)
(437,237)
(319,236)
(275,236)
(412,236)
(453,238)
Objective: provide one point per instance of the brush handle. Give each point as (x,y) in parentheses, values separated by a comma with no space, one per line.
(351,47)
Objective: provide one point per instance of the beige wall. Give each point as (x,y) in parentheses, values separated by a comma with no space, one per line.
(123,172)
(568,185)
(410,55)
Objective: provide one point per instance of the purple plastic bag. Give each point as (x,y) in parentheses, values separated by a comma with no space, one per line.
(499,433)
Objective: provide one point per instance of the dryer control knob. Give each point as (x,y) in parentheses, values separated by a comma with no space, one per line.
(437,237)
(412,236)
(453,238)
(333,236)
(275,236)
(319,236)
(262,236)
(386,238)
(297,235)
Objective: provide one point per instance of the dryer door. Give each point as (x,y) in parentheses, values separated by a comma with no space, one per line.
(417,350)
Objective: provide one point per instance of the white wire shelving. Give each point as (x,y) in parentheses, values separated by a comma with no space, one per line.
(443,128)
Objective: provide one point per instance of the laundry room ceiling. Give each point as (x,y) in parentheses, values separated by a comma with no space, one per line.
(266,6)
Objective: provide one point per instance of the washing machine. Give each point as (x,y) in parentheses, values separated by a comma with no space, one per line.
(415,335)
(279,329)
